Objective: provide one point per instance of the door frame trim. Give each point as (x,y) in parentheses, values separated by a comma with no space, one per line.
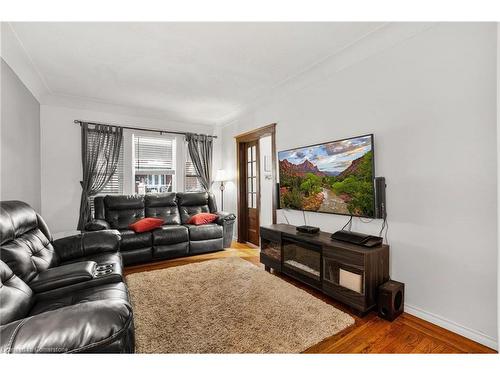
(253,135)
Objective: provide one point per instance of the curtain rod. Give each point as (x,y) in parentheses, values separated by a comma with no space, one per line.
(136,128)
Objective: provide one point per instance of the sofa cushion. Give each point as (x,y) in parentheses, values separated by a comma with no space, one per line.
(116,291)
(25,248)
(16,218)
(15,296)
(93,326)
(171,251)
(191,204)
(146,225)
(164,206)
(205,246)
(122,210)
(137,256)
(99,208)
(132,240)
(204,232)
(202,218)
(29,254)
(170,234)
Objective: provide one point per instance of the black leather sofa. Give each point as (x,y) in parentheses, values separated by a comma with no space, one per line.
(63,296)
(176,238)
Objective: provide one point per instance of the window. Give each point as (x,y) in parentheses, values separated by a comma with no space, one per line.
(154,164)
(191,181)
(252,176)
(115,184)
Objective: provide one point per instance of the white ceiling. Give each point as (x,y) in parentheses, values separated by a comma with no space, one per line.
(197,72)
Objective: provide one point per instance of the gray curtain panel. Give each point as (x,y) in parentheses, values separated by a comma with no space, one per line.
(100,152)
(200,150)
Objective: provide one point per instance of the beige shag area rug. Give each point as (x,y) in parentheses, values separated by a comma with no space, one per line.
(227,306)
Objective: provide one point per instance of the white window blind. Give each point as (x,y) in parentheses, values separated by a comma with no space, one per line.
(154,163)
(115,184)
(154,154)
(191,180)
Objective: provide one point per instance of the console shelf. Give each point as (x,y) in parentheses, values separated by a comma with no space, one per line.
(349,273)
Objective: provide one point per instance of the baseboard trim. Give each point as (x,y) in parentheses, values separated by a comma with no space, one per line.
(452,326)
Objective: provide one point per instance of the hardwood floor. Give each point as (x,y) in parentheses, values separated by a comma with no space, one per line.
(369,334)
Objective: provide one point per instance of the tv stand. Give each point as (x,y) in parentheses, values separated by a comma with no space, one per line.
(347,272)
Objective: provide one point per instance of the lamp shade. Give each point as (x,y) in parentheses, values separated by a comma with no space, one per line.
(220,175)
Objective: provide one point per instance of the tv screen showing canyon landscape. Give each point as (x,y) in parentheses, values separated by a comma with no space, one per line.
(334,177)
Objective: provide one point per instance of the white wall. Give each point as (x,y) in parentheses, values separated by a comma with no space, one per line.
(430,100)
(61,157)
(266,182)
(498,170)
(20,141)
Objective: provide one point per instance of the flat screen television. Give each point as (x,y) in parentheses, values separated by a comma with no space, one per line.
(334,177)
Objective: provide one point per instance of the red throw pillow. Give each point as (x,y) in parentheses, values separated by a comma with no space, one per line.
(147,224)
(203,218)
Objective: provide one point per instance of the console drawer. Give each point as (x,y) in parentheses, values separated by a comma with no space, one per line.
(350,258)
(346,296)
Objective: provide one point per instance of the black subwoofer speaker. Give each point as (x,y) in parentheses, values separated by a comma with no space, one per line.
(391,296)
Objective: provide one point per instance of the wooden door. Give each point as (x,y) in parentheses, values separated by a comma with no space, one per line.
(252,191)
(247,160)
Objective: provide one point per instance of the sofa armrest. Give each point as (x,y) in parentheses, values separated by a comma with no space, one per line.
(87,243)
(61,276)
(226,219)
(94,326)
(97,224)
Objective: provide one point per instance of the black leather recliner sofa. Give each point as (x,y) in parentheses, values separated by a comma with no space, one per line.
(63,296)
(176,238)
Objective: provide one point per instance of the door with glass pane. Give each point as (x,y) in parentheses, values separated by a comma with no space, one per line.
(252,191)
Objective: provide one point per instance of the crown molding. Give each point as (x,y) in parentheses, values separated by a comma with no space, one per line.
(371,44)
(83,103)
(15,55)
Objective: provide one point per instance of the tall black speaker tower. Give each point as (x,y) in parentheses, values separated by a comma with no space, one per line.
(380,203)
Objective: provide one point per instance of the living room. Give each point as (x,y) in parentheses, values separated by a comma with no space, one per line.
(330,189)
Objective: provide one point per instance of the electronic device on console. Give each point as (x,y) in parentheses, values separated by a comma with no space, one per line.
(356,238)
(307,229)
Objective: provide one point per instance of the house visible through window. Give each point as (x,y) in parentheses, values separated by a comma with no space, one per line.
(191,180)
(154,164)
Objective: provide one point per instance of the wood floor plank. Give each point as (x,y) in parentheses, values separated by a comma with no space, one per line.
(450,338)
(407,340)
(428,346)
(361,341)
(369,334)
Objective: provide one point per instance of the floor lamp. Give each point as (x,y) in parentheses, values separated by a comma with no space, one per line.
(220,176)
